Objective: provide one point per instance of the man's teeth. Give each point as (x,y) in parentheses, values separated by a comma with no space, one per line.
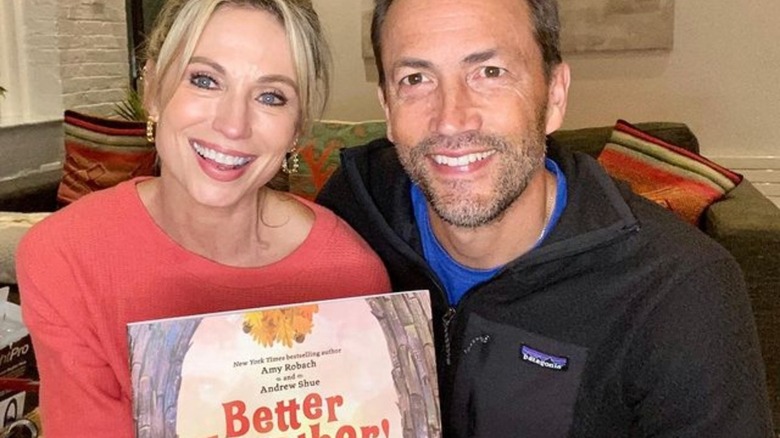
(219,157)
(461,160)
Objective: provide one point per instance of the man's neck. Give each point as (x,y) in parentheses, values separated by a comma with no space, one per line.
(513,234)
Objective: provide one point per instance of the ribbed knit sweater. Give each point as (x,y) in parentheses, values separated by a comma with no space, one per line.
(91,268)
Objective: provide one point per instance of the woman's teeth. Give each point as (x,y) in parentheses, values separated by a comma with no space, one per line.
(219,157)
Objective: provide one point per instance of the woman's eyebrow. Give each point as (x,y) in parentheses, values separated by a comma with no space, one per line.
(207,61)
(278,78)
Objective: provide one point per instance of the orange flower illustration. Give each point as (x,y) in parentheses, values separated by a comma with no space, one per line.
(280,325)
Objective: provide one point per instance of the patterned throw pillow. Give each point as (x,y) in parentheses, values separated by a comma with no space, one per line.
(680,180)
(320,152)
(100,153)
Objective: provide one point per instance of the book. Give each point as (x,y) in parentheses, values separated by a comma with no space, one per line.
(361,367)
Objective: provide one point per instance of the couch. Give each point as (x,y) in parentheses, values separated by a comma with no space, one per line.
(745,222)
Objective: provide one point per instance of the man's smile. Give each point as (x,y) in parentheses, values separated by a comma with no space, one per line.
(462,160)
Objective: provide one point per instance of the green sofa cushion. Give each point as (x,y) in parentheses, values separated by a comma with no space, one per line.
(319,152)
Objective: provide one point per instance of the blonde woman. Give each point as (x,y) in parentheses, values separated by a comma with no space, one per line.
(230,86)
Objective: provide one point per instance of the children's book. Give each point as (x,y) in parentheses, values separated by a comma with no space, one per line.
(361,367)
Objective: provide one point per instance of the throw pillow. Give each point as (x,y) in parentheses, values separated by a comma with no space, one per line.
(319,152)
(100,153)
(680,180)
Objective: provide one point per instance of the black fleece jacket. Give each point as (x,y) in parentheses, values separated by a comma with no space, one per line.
(625,322)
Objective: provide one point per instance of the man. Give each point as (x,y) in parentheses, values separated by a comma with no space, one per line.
(564,304)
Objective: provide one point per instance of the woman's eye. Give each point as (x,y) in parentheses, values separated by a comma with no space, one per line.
(412,79)
(201,80)
(272,99)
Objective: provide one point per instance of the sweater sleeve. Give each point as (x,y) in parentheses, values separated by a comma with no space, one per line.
(80,392)
(696,369)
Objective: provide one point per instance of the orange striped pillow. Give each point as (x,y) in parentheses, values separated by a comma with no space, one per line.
(680,180)
(100,153)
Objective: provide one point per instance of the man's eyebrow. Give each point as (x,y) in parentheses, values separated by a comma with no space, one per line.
(476,58)
(413,63)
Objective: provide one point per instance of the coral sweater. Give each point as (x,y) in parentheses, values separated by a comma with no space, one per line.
(91,268)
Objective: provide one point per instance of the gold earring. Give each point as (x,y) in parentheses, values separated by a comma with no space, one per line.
(291,161)
(150,130)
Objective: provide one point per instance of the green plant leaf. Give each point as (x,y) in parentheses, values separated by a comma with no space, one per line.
(131,108)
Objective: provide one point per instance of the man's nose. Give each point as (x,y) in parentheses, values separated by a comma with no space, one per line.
(455,110)
(233,117)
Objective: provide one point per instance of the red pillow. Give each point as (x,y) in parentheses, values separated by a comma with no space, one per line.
(100,153)
(678,179)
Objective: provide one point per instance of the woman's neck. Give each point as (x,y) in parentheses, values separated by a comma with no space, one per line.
(244,234)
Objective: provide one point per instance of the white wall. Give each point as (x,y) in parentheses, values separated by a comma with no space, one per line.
(352,96)
(61,54)
(29,62)
(720,78)
(94,56)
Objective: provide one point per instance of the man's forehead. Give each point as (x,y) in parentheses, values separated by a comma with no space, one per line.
(428,17)
(468,32)
(449,7)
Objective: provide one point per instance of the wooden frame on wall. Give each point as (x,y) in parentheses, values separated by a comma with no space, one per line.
(616,25)
(140,19)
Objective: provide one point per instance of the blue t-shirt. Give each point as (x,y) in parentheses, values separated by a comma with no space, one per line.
(456,278)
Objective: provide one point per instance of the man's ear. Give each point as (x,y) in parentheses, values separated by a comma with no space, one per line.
(150,91)
(557,97)
(380,92)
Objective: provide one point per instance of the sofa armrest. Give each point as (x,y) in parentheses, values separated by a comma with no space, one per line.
(748,225)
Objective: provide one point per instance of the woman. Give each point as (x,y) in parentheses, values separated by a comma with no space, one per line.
(230,85)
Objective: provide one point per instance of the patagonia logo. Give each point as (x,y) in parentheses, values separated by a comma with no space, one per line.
(544,360)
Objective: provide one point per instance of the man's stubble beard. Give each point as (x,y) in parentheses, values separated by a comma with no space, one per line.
(455,204)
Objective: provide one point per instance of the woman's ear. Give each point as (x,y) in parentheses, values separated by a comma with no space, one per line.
(150,90)
(557,97)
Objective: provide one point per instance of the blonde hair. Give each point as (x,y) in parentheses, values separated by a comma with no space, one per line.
(180,25)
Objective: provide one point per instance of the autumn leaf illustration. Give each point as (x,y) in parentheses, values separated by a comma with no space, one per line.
(280,325)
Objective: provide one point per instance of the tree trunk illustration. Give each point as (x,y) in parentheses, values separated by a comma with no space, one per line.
(406,323)
(160,349)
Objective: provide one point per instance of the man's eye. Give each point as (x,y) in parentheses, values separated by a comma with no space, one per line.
(201,80)
(272,99)
(412,79)
(492,72)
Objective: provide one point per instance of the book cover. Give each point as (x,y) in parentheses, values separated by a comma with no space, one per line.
(347,368)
